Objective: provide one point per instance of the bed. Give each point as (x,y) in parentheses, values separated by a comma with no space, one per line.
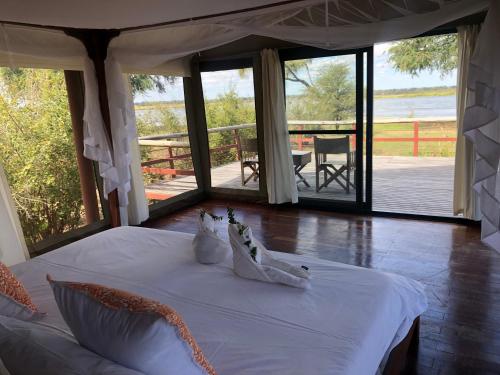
(346,323)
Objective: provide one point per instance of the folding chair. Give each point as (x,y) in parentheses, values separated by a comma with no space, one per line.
(337,171)
(248,154)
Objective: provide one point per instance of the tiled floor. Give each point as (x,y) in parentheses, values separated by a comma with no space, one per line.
(460,333)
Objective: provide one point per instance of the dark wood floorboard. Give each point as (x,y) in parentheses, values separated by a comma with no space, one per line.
(460,333)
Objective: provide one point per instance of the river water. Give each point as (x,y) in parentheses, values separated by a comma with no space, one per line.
(423,106)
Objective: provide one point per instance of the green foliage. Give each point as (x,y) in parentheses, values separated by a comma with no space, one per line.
(161,120)
(144,82)
(230,215)
(293,70)
(37,151)
(415,92)
(434,53)
(331,96)
(228,109)
(214,217)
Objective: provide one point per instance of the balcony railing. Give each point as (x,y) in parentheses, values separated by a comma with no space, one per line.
(167,143)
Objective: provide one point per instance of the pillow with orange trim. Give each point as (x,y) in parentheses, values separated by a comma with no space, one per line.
(15,302)
(133,331)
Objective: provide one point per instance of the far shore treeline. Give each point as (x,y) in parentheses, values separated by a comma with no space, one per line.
(377,94)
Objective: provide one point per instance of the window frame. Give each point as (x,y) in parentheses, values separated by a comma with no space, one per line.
(211,65)
(364,177)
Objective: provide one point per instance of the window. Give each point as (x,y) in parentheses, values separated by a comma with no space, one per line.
(37,152)
(325,121)
(231,126)
(415,126)
(163,136)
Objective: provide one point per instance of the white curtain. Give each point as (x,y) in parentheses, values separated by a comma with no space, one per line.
(96,142)
(152,51)
(281,184)
(481,124)
(126,155)
(13,248)
(465,198)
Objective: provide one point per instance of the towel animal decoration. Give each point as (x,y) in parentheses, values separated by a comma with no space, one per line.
(208,247)
(252,260)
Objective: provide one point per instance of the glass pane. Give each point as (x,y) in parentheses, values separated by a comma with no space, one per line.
(230,114)
(321,93)
(38,154)
(326,169)
(163,136)
(415,126)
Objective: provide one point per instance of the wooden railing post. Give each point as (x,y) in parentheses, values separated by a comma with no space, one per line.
(171,161)
(299,138)
(238,144)
(415,138)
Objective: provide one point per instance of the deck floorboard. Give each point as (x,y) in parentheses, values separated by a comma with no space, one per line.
(418,185)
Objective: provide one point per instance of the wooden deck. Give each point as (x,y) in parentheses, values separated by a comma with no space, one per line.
(419,185)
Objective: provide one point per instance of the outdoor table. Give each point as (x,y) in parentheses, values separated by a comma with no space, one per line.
(300,160)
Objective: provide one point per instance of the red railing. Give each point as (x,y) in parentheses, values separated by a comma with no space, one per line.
(301,140)
(164,142)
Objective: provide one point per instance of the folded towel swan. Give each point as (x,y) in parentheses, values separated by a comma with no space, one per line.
(208,247)
(252,260)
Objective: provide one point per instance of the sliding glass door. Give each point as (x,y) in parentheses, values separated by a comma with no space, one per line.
(327,110)
(234,145)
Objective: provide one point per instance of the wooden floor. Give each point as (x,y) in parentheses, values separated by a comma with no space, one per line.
(460,333)
(422,185)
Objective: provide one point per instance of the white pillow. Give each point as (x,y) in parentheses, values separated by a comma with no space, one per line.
(208,247)
(15,300)
(131,330)
(28,348)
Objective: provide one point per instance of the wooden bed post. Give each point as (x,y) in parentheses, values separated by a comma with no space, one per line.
(96,43)
(403,356)
(75,89)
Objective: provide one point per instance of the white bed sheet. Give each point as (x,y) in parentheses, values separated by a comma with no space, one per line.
(344,324)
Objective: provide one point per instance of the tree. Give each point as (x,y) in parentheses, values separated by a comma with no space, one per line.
(330,96)
(293,69)
(37,151)
(434,53)
(228,109)
(144,82)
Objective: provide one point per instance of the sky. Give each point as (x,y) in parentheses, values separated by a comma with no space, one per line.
(385,77)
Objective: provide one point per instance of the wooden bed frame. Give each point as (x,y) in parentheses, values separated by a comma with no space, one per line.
(402,359)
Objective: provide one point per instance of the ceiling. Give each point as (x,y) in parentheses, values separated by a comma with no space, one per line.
(118,14)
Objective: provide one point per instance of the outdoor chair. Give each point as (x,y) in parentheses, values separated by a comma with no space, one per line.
(248,155)
(334,170)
